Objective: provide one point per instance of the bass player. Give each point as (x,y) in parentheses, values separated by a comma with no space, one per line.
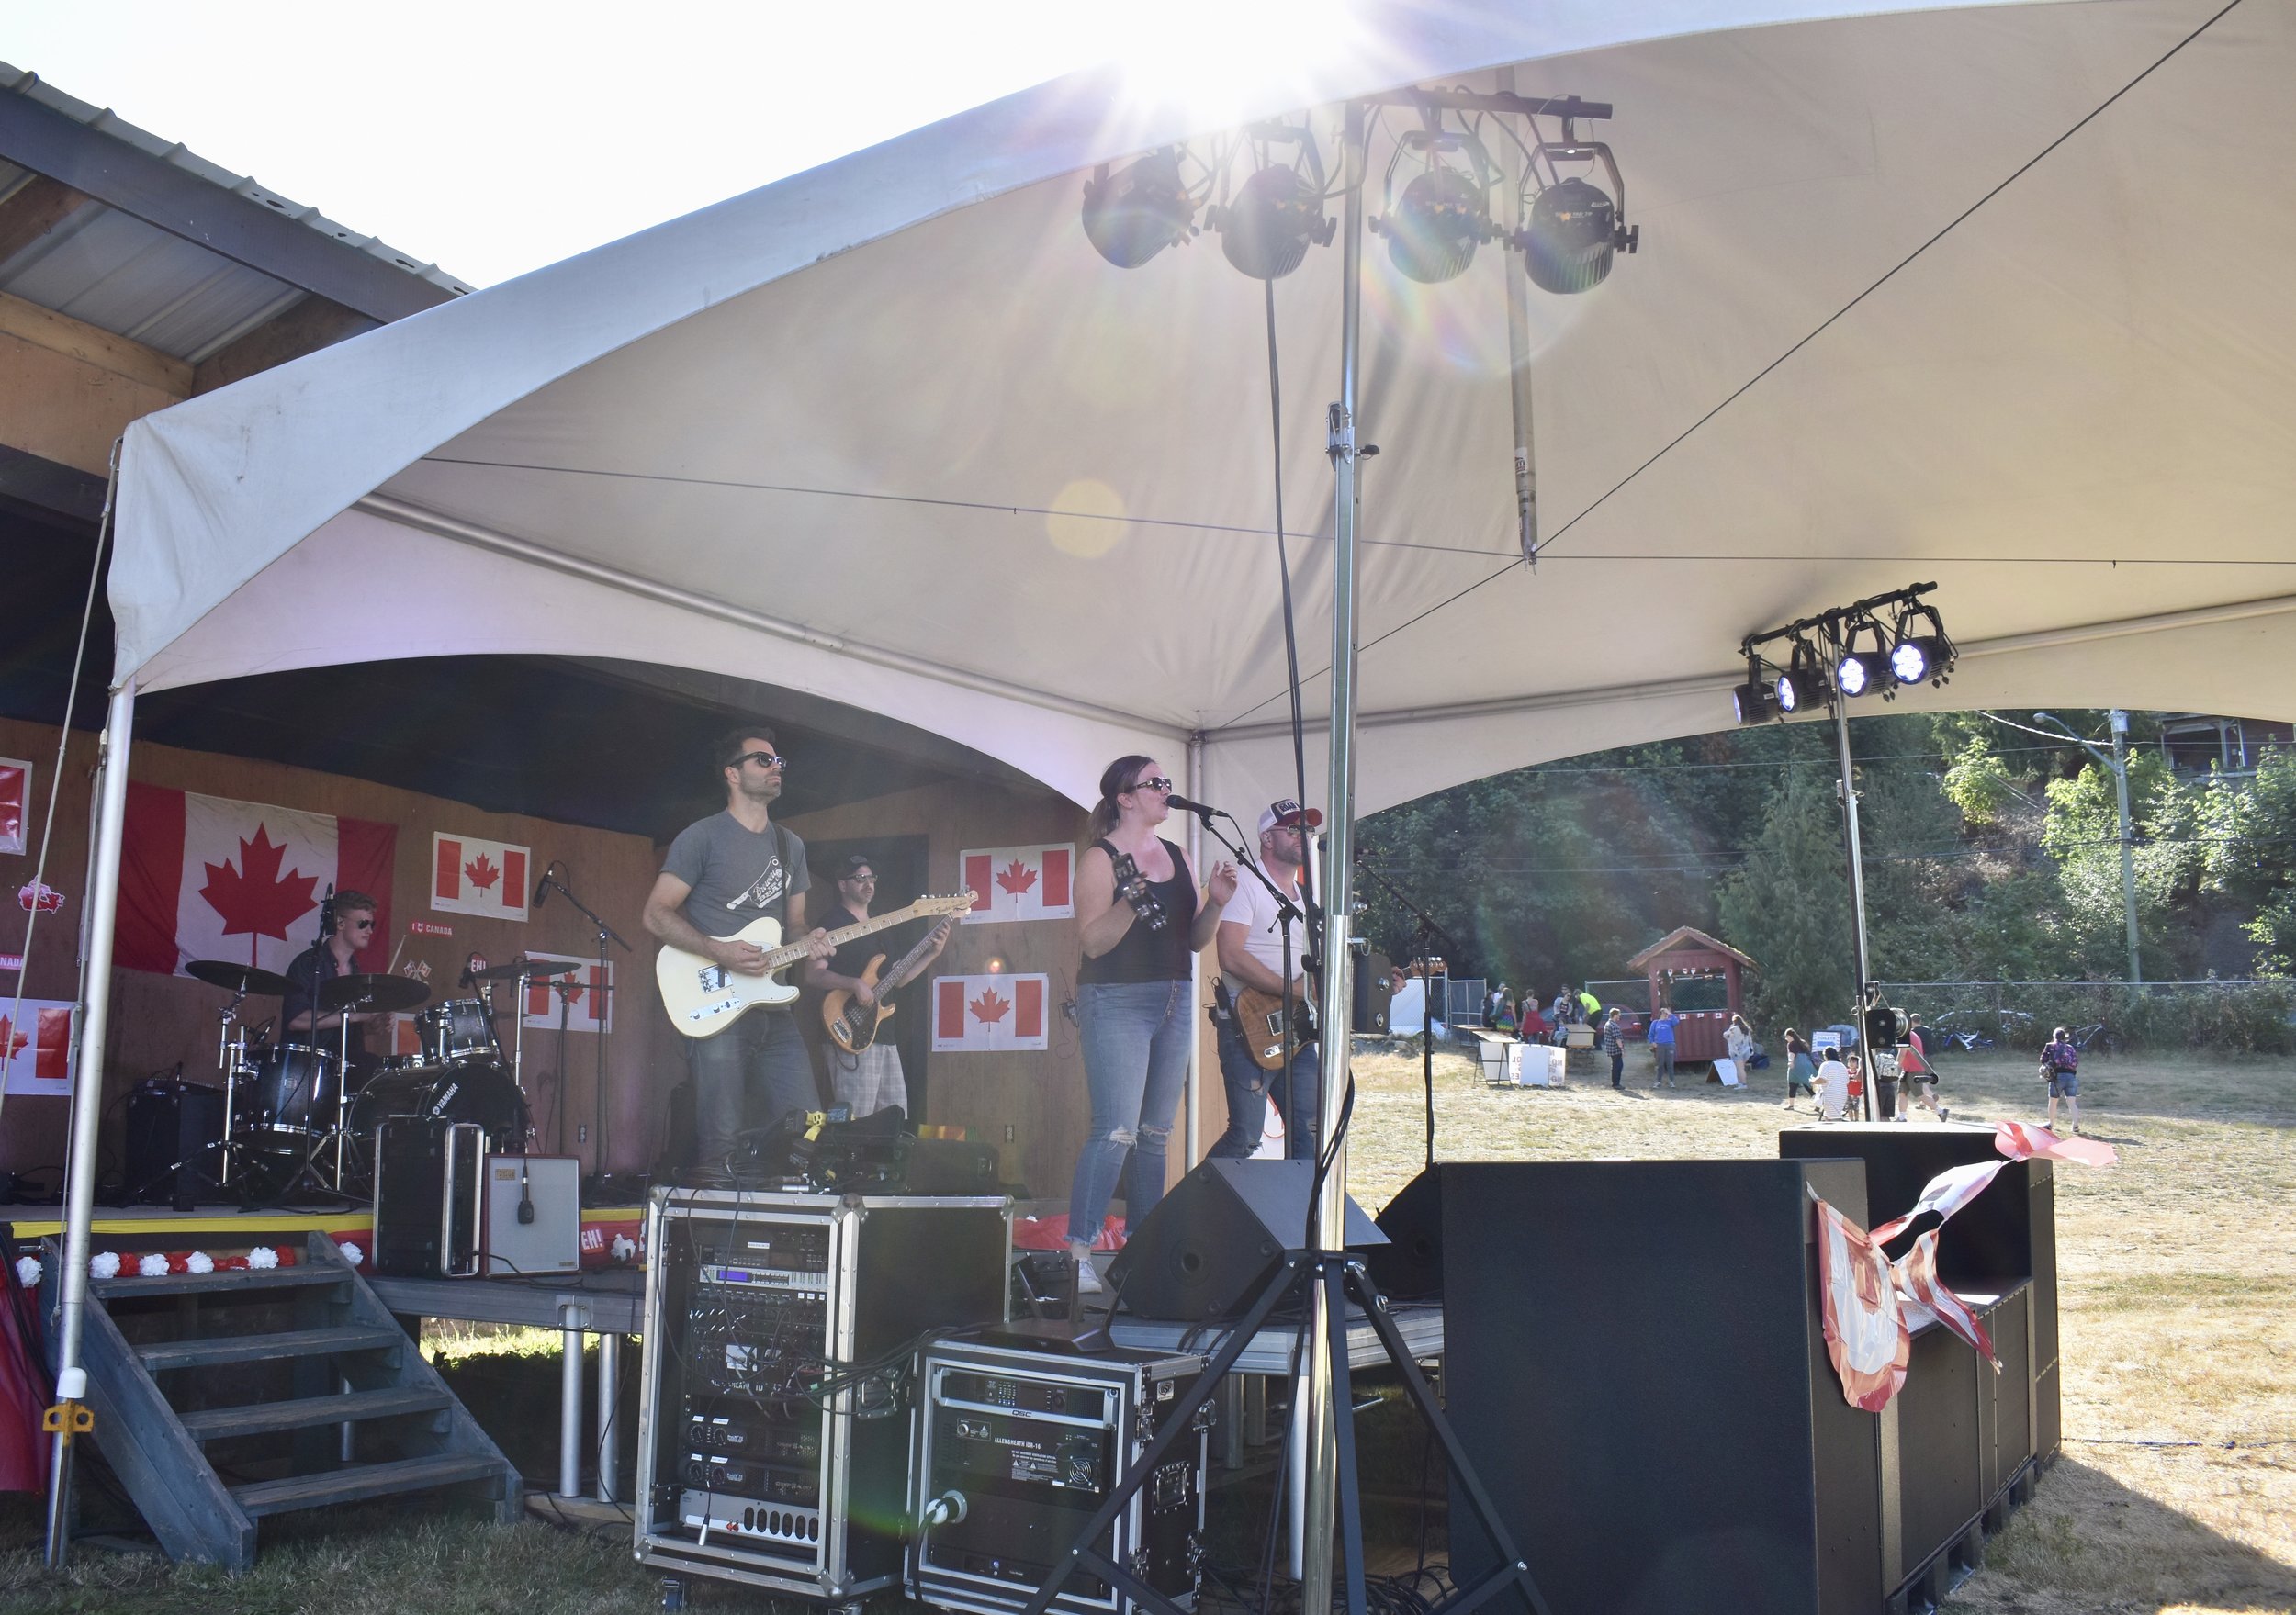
(870,1079)
(723,872)
(1251,946)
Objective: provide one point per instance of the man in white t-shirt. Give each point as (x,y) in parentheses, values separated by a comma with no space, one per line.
(1251,944)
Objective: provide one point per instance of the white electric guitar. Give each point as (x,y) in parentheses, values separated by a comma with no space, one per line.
(704,997)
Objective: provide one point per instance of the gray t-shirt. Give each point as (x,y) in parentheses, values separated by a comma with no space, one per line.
(737,874)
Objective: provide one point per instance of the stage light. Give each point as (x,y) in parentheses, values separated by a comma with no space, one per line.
(1755,702)
(1918,656)
(1433,230)
(1277,215)
(1858,672)
(1802,683)
(1570,237)
(1141,209)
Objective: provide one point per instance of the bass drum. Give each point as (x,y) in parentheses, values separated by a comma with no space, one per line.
(468,1091)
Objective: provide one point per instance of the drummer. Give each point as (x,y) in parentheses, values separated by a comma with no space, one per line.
(322,962)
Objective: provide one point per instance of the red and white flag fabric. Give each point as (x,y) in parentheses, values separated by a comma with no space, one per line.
(1944,1194)
(2023,1141)
(15,795)
(36,1045)
(206,876)
(583,999)
(470,875)
(982,1013)
(1019,882)
(1865,1331)
(1923,1298)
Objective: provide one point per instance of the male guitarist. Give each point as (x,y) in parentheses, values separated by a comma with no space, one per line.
(1251,948)
(870,1079)
(723,872)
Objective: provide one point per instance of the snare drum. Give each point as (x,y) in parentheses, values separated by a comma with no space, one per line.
(454,1029)
(291,1097)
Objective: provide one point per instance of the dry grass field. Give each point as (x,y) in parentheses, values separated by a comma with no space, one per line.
(2176,1492)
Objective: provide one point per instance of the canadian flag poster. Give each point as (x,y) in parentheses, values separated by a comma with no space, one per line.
(583,997)
(989,1013)
(1019,882)
(470,875)
(36,1046)
(204,877)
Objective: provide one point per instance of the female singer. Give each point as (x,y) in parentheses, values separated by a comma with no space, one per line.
(1143,923)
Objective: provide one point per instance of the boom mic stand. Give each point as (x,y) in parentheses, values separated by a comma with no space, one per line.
(1428,931)
(601,993)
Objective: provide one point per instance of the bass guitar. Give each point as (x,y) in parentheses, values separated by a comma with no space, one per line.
(1260,1017)
(702,997)
(852,1025)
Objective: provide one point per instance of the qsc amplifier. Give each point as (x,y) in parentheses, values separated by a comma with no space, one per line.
(1015,1447)
(749,1470)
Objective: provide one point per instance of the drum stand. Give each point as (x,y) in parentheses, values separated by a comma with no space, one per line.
(230,1059)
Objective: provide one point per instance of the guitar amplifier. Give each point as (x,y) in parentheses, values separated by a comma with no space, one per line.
(427,1186)
(550,1239)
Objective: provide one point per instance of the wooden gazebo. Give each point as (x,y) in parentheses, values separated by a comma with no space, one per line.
(1687,953)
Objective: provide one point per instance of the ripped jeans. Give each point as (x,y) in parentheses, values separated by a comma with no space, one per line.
(1136,1041)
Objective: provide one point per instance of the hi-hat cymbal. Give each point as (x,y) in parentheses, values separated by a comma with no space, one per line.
(222,972)
(373,992)
(526,968)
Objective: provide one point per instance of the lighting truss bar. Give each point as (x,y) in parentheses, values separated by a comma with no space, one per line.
(1488,101)
(1833,620)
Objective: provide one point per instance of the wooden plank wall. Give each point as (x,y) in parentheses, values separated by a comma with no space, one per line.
(160,1020)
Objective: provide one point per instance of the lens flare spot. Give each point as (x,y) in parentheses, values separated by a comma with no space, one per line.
(1086,520)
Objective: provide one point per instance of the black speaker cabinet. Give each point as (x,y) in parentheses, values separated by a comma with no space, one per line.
(1636,1365)
(1374,989)
(173,1146)
(429,1178)
(1205,1251)
(1409,1267)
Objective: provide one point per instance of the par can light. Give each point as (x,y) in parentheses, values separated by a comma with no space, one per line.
(1435,226)
(1567,242)
(1142,209)
(1277,215)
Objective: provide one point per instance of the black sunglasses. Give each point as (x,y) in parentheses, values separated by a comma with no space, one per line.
(1154,782)
(764,760)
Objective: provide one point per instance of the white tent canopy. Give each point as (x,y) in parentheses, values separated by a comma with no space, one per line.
(891,432)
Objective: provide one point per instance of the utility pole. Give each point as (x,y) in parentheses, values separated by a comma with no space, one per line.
(2118,764)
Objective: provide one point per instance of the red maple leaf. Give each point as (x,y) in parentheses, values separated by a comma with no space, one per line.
(988,1006)
(12,1041)
(482,873)
(1015,878)
(255,899)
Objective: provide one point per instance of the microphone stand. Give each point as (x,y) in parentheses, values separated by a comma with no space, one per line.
(600,991)
(1428,931)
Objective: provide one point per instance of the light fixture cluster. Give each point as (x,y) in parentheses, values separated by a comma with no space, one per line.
(1846,654)
(1571,229)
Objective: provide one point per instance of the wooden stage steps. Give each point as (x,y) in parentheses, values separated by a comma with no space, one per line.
(222,1397)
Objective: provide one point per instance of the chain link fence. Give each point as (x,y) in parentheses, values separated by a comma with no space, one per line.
(2227,1016)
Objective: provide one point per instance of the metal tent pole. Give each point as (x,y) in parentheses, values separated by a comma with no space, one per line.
(87,1097)
(1857,887)
(1337,990)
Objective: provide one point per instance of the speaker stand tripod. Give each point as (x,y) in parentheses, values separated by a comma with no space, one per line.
(1340,1276)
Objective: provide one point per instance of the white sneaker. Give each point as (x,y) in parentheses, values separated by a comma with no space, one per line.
(1087,1280)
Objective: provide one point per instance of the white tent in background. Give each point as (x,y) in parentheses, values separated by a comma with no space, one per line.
(890,432)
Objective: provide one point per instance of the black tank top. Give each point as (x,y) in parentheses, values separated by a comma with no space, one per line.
(1143,955)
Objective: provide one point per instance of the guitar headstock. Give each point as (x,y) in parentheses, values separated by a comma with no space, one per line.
(955,903)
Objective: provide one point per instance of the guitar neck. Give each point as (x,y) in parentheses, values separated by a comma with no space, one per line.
(910,963)
(837,938)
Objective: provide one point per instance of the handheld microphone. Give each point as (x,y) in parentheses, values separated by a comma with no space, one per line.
(542,887)
(1198,808)
(327,911)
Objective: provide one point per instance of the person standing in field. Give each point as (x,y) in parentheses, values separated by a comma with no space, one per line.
(1662,1040)
(1798,1066)
(1615,1045)
(2061,1069)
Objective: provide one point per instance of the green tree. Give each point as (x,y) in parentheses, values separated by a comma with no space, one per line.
(2247,833)
(1788,906)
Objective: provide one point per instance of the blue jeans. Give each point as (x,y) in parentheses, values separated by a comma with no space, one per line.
(1250,1088)
(754,1073)
(1663,1053)
(1136,1036)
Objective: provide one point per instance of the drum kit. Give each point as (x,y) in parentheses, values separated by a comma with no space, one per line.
(300,1115)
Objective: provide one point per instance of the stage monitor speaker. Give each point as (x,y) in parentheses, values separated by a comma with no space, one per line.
(428,1182)
(1409,1267)
(550,1239)
(1204,1252)
(173,1146)
(1375,985)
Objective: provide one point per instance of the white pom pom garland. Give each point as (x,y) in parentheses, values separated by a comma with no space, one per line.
(352,1254)
(27,1272)
(199,1261)
(152,1265)
(104,1264)
(262,1256)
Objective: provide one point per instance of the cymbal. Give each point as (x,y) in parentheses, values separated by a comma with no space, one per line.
(222,972)
(526,968)
(373,992)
